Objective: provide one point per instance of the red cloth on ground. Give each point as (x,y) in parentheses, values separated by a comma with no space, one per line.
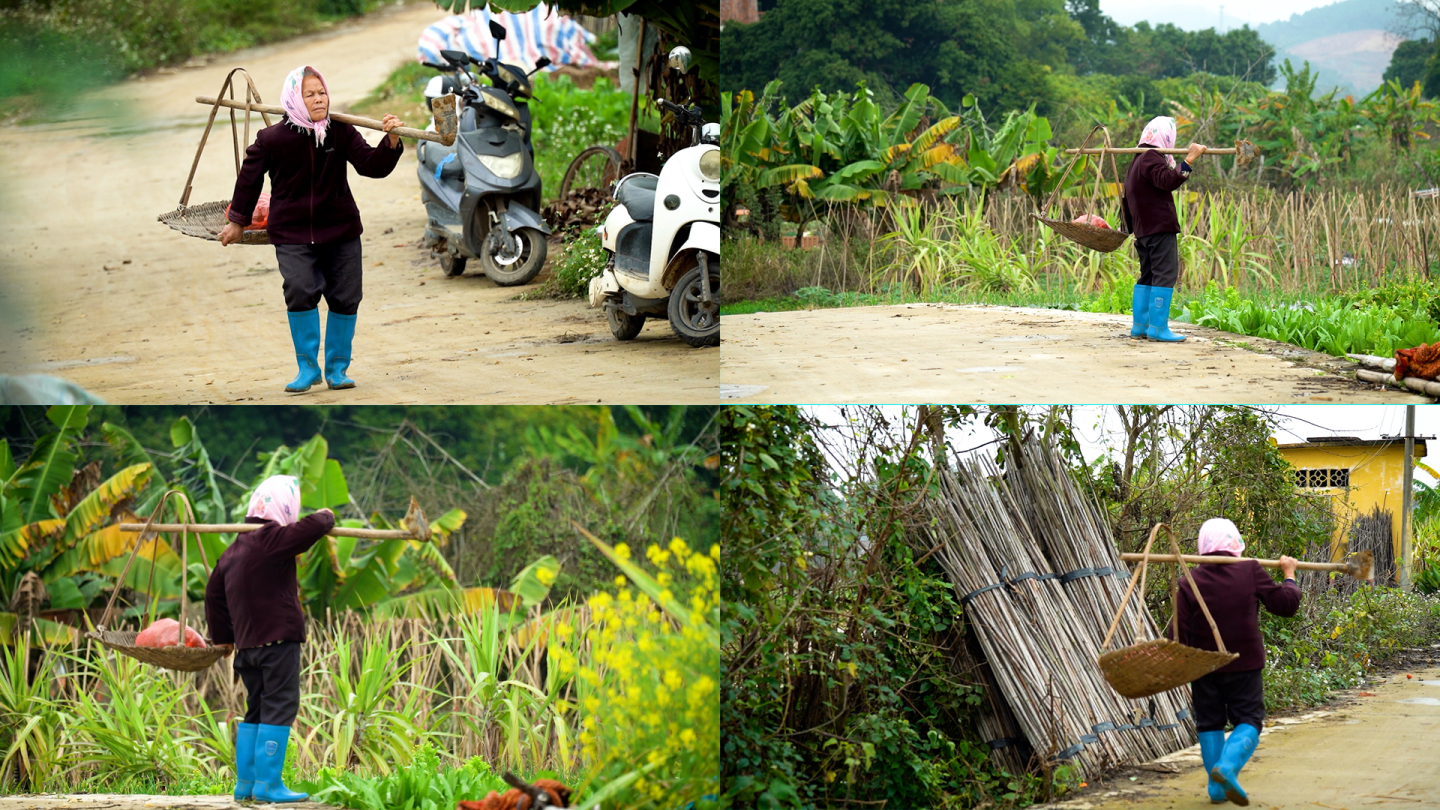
(166,633)
(513,799)
(1422,361)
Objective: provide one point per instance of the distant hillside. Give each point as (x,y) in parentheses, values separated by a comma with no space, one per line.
(1337,18)
(1347,43)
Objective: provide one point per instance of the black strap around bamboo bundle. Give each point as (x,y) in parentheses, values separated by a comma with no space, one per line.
(1069,576)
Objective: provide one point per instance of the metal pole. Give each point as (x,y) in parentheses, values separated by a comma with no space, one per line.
(1408,500)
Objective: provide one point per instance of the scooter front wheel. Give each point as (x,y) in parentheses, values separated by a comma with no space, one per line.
(532,257)
(695,320)
(623,325)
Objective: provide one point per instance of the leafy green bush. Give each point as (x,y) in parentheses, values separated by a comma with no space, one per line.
(421,785)
(1338,638)
(584,258)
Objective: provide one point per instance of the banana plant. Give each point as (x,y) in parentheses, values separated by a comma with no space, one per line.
(60,524)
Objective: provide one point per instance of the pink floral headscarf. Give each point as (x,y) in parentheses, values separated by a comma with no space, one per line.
(277,498)
(1219,534)
(1160,132)
(292,98)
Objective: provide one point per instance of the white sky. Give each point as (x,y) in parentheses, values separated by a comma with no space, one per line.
(1194,14)
(1098,426)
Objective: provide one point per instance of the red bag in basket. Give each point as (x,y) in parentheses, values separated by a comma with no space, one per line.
(166,633)
(258,219)
(1091,219)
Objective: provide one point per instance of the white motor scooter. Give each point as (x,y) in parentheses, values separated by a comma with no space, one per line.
(665,260)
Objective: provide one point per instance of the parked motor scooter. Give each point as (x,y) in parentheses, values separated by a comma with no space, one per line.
(482,194)
(665,260)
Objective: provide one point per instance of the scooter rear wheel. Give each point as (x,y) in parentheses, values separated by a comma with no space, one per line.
(532,257)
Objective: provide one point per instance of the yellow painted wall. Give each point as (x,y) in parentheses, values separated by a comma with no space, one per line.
(1377,478)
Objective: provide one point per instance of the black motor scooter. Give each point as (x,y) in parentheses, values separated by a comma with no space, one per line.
(482,194)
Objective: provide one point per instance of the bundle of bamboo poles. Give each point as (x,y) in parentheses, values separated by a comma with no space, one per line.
(1006,542)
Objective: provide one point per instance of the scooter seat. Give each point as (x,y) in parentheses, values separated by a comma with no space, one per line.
(638,197)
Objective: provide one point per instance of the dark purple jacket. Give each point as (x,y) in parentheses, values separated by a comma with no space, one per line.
(1148,185)
(310,200)
(253,597)
(1234,593)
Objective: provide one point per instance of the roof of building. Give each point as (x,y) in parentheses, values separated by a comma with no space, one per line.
(1355,441)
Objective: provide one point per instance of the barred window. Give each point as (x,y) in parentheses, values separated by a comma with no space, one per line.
(1324,478)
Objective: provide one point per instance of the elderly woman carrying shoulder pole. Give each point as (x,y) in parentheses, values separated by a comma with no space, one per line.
(253,601)
(1150,212)
(313,222)
(1235,692)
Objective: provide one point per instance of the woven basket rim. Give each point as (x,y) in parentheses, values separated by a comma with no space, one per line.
(204,221)
(1132,670)
(1104,240)
(174,656)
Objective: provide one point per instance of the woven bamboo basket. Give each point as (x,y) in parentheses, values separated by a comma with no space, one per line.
(205,221)
(177,656)
(1104,240)
(1149,667)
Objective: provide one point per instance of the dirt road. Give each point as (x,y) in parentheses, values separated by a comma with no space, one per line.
(1376,749)
(136,313)
(948,353)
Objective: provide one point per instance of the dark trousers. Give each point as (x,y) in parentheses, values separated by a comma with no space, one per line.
(331,269)
(1159,259)
(271,675)
(1235,696)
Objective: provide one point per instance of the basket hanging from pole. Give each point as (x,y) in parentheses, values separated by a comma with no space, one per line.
(1104,240)
(178,656)
(1150,667)
(205,220)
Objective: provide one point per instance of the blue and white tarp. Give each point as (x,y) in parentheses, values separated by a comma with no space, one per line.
(529,36)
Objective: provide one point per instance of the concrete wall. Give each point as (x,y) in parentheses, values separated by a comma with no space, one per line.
(1377,478)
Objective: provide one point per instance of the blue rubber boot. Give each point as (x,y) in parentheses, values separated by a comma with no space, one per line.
(270,743)
(1140,310)
(245,760)
(1159,327)
(339,333)
(305,334)
(1211,744)
(1238,749)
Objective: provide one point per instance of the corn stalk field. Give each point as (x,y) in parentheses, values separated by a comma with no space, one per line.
(1302,242)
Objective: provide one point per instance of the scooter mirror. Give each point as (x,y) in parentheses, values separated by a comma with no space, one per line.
(497,30)
(542,62)
(680,58)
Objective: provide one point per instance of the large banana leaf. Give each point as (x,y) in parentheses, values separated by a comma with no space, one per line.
(50,466)
(534,581)
(166,583)
(131,452)
(92,551)
(41,631)
(7,463)
(15,544)
(439,603)
(92,511)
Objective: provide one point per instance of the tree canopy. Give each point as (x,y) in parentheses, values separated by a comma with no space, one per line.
(1007,53)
